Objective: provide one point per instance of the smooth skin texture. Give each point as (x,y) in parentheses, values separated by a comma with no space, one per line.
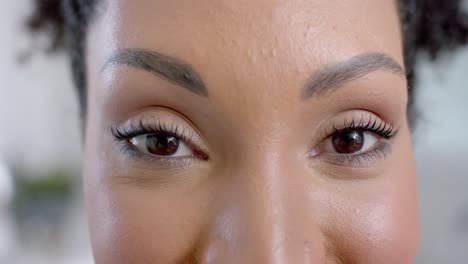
(257,88)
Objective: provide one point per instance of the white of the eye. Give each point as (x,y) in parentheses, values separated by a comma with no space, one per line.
(140,143)
(370,139)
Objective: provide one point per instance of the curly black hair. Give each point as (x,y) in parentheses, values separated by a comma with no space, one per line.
(428,26)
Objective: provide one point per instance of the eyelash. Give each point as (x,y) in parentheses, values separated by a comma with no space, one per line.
(126,133)
(372,125)
(131,130)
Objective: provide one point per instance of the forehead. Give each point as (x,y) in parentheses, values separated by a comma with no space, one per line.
(251,29)
(245,48)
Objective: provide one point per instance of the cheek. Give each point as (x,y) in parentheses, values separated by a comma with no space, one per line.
(385,233)
(131,224)
(383,229)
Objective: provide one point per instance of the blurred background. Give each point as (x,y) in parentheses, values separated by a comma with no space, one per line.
(42,219)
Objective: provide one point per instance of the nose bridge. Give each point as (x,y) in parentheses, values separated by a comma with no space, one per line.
(266,218)
(281,222)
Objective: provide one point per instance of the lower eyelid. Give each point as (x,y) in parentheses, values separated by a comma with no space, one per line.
(162,163)
(364,159)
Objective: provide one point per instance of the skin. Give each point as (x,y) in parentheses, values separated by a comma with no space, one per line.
(267,190)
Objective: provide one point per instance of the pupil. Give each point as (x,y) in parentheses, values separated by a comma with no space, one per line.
(348,142)
(162,145)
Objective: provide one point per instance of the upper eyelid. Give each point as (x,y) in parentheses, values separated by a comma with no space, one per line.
(368,122)
(131,130)
(185,132)
(133,126)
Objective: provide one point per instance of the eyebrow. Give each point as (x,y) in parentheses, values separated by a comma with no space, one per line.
(336,76)
(170,68)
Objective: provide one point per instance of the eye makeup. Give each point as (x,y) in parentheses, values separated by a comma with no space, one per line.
(359,141)
(159,138)
(353,139)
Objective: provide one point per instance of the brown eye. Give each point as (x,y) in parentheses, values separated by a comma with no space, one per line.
(348,142)
(162,145)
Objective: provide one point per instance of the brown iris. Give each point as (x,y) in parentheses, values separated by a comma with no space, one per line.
(162,145)
(347,142)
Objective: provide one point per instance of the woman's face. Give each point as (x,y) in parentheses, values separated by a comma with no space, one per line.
(248,132)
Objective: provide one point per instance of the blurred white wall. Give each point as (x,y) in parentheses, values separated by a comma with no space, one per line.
(39,130)
(39,127)
(38,110)
(441,149)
